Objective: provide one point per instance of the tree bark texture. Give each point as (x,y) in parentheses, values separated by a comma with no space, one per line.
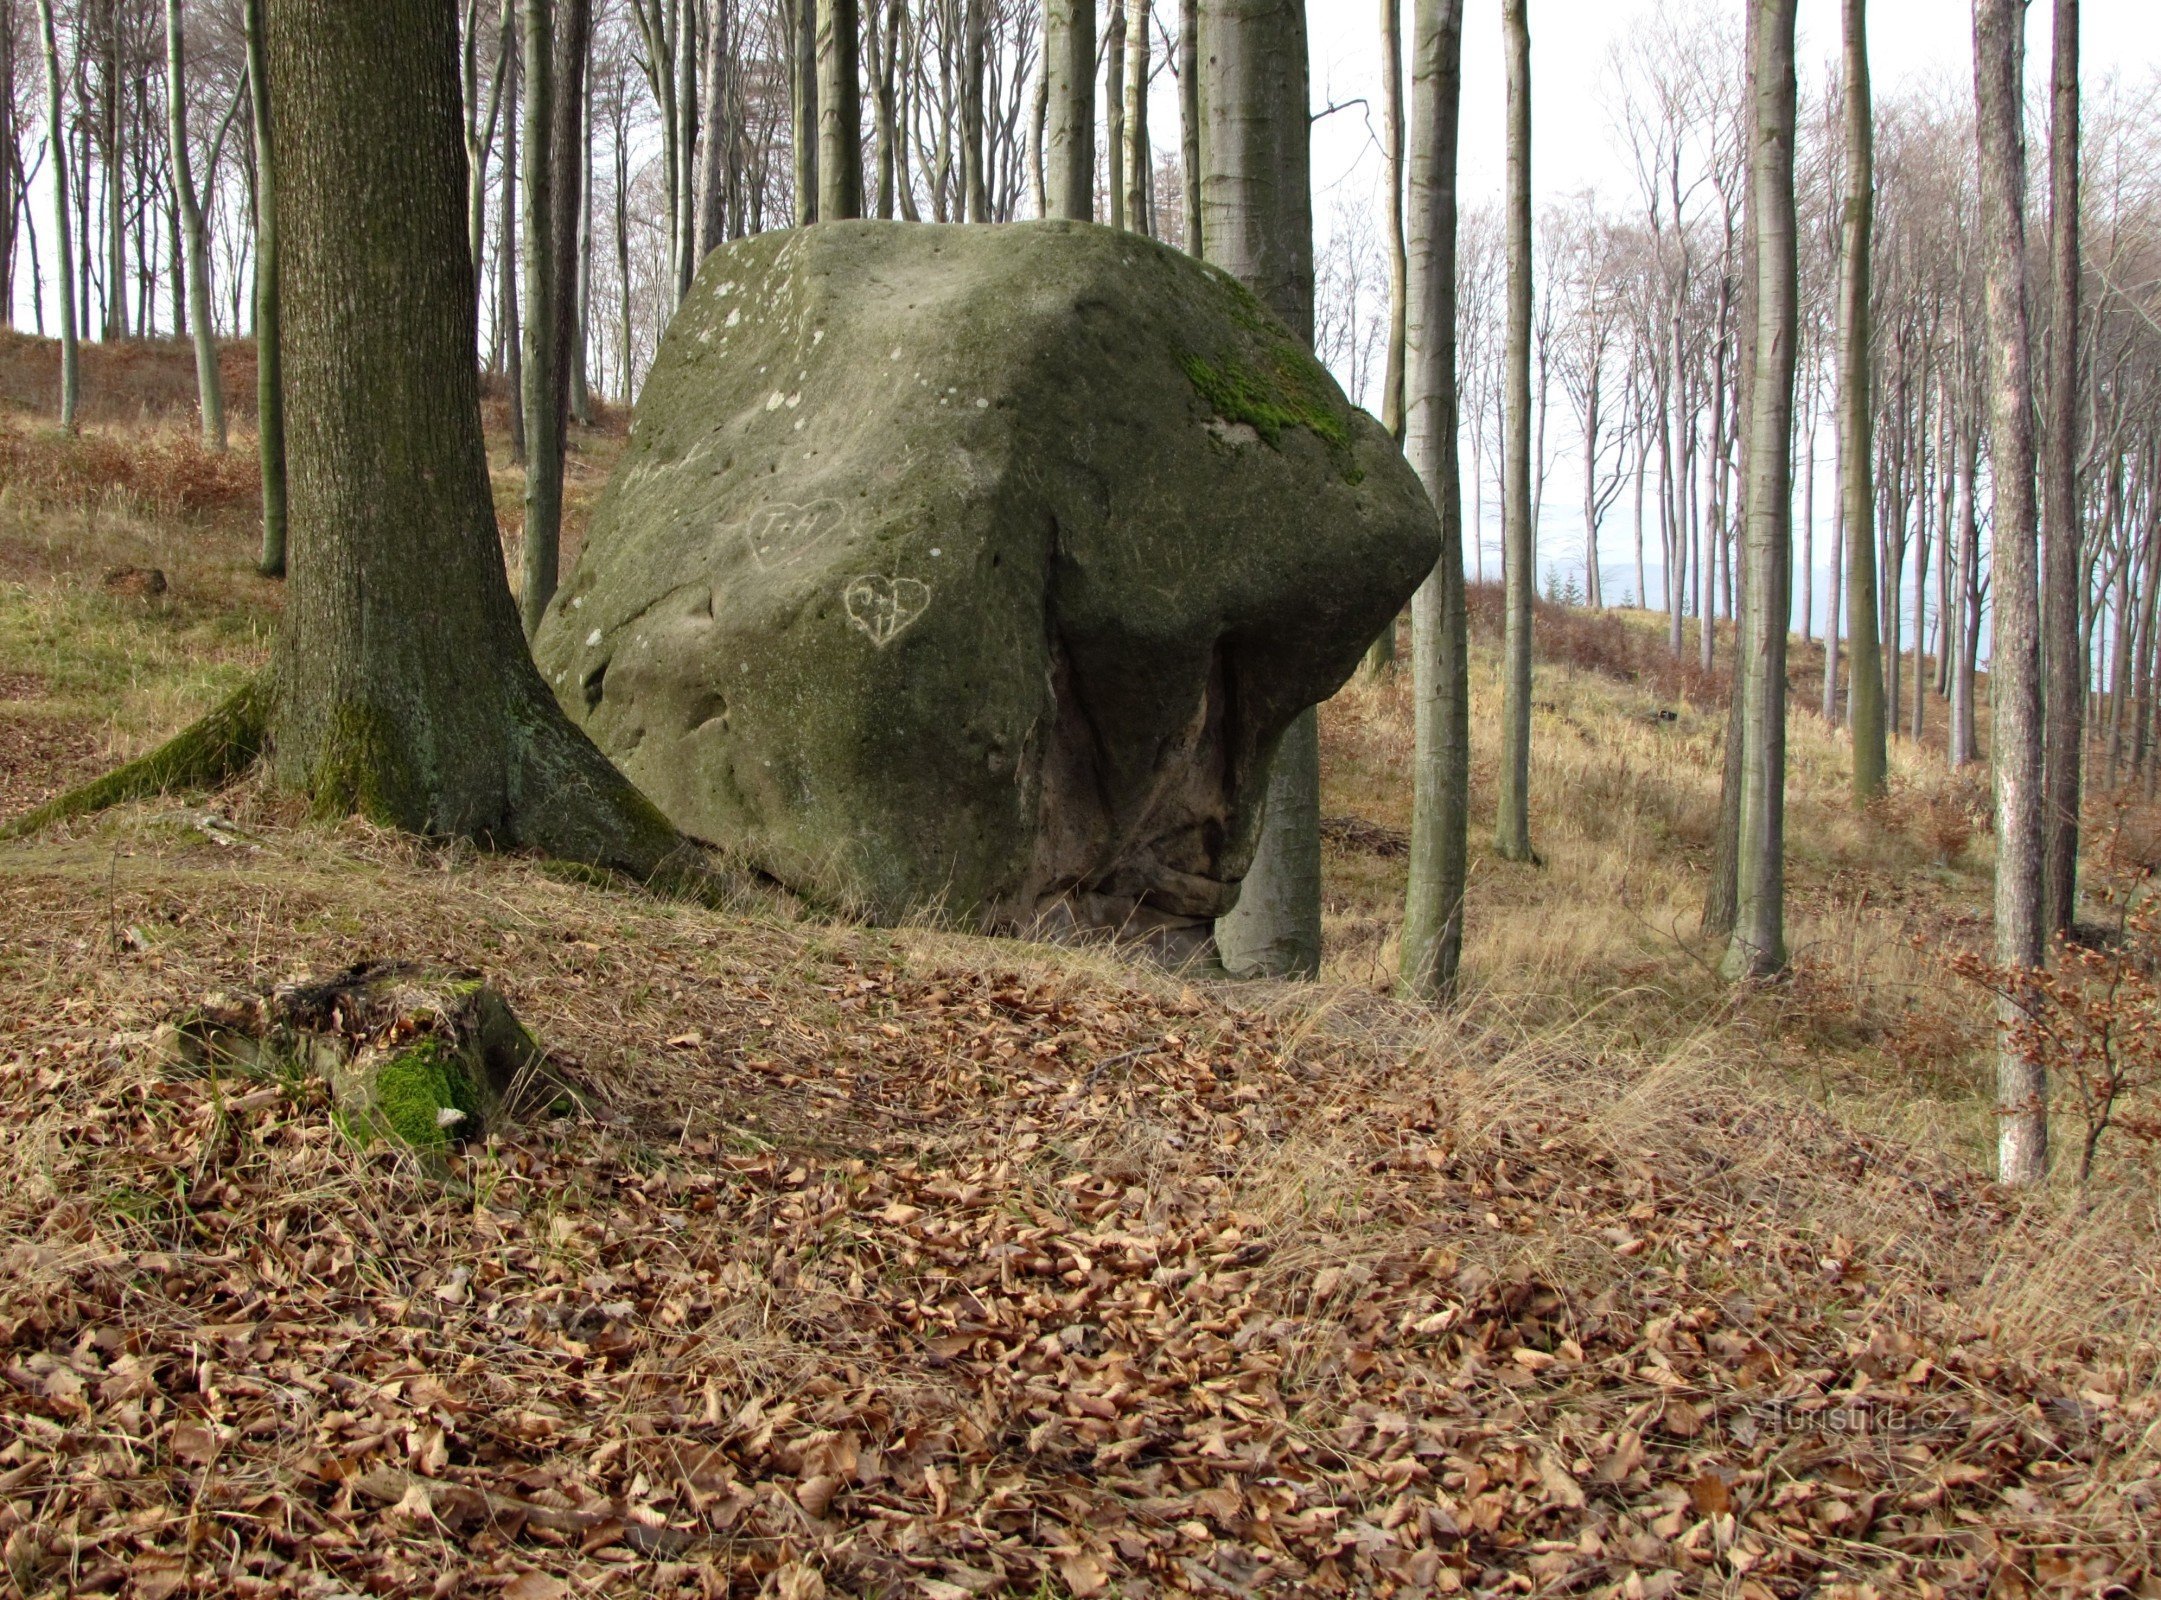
(2062,576)
(1432,948)
(1512,835)
(404,690)
(2014,646)
(1864,647)
(1069,142)
(1257,219)
(57,149)
(269,340)
(840,112)
(1759,940)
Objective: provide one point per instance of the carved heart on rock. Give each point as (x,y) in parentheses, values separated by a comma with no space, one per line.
(884,607)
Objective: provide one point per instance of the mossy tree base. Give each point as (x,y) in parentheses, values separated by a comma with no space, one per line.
(207,753)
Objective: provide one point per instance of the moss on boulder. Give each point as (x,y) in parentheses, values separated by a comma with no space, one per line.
(980,570)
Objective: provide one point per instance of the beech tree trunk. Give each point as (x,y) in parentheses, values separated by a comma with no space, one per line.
(2062,575)
(1114,113)
(840,112)
(1381,655)
(803,63)
(1759,940)
(1189,117)
(209,393)
(1864,648)
(1512,836)
(974,152)
(403,688)
(269,340)
(1139,159)
(1440,665)
(1257,219)
(1069,63)
(543,429)
(57,152)
(2014,646)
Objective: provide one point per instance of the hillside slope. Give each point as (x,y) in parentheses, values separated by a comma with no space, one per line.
(899,1262)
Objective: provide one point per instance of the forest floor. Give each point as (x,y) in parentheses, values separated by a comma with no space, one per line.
(894,1261)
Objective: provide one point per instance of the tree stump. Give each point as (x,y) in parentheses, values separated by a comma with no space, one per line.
(428,1057)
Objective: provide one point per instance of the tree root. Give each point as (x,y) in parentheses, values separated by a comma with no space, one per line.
(207,753)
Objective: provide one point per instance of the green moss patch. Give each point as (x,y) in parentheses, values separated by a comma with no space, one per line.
(414,1089)
(1267,402)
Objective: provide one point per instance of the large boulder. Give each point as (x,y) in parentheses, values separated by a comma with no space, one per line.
(979,570)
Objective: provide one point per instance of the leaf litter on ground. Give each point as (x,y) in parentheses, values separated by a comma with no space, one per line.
(906,1264)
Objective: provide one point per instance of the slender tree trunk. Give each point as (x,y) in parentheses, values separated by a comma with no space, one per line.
(1806,566)
(1835,572)
(1381,656)
(56,134)
(1440,667)
(209,393)
(403,689)
(1864,693)
(2065,686)
(1964,742)
(1139,159)
(581,296)
(1069,63)
(2014,650)
(1257,218)
(269,338)
(1512,837)
(883,69)
(509,328)
(543,435)
(1114,113)
(1189,117)
(1759,940)
(1038,129)
(566,163)
(840,113)
(975,78)
(803,60)
(712,221)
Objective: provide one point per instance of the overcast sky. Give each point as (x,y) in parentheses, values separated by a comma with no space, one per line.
(1913,45)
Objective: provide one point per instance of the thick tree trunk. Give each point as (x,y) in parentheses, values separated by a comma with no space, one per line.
(57,147)
(269,340)
(1257,219)
(403,687)
(1512,838)
(543,431)
(1864,694)
(2064,661)
(1069,62)
(1759,940)
(209,393)
(1440,667)
(840,112)
(2014,648)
